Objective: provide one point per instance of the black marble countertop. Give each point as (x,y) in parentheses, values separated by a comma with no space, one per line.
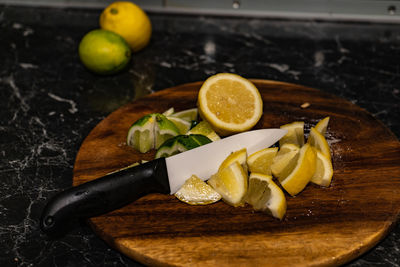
(49,102)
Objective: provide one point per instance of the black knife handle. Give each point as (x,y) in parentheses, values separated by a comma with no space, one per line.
(104,194)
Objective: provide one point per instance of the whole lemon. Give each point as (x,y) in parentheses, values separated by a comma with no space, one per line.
(104,52)
(129,21)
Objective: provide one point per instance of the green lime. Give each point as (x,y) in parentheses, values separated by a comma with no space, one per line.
(187,114)
(104,52)
(150,131)
(141,134)
(182,125)
(181,143)
(204,128)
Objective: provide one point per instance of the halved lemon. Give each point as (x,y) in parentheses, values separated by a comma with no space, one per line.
(239,156)
(317,140)
(197,192)
(230,103)
(264,195)
(304,170)
(285,161)
(322,125)
(231,184)
(261,161)
(295,133)
(324,171)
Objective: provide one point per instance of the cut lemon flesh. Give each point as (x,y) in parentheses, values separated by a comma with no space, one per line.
(285,161)
(317,140)
(295,133)
(324,171)
(205,129)
(231,184)
(239,156)
(261,161)
(301,175)
(322,125)
(181,124)
(263,194)
(169,111)
(230,103)
(197,192)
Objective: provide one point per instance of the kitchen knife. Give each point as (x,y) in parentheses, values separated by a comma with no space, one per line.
(163,175)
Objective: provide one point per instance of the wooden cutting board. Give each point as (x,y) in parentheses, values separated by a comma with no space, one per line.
(323,226)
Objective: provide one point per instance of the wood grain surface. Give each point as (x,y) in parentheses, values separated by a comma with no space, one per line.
(323,226)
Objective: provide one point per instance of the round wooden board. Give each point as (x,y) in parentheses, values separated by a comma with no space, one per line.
(323,226)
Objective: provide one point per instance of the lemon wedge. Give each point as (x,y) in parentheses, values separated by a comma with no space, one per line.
(264,195)
(181,124)
(239,156)
(322,125)
(231,184)
(324,171)
(230,103)
(188,115)
(261,161)
(285,161)
(295,133)
(317,140)
(197,192)
(304,170)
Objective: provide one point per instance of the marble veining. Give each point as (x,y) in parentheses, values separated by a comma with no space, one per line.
(50,102)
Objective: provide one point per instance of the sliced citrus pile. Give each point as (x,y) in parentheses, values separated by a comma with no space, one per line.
(261,161)
(295,133)
(188,115)
(181,143)
(230,103)
(231,184)
(264,195)
(197,192)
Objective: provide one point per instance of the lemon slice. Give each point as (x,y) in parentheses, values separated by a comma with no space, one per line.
(188,115)
(301,175)
(322,125)
(239,156)
(317,140)
(324,171)
(285,161)
(264,195)
(204,128)
(295,133)
(197,192)
(181,124)
(231,184)
(230,103)
(261,161)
